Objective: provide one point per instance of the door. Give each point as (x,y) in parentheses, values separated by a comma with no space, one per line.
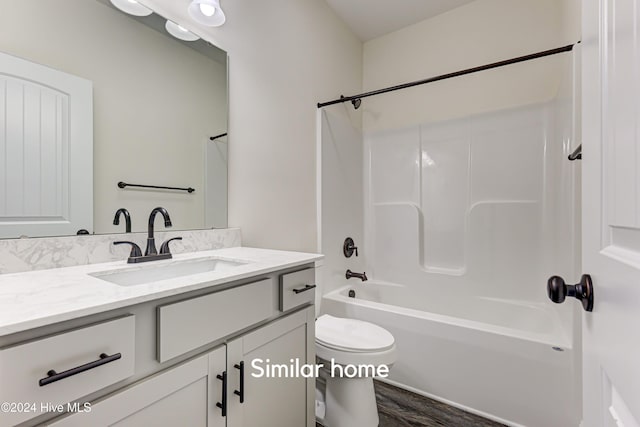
(611,211)
(46,150)
(267,398)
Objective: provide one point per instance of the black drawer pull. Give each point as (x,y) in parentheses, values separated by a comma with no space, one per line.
(240,392)
(54,376)
(305,289)
(223,405)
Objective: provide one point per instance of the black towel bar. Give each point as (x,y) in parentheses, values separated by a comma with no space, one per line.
(124,184)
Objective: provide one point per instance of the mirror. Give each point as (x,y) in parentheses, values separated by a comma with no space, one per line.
(156,103)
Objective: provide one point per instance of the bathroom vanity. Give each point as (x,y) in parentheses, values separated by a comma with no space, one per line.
(170,343)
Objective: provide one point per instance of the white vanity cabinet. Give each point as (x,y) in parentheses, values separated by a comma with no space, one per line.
(219,388)
(199,359)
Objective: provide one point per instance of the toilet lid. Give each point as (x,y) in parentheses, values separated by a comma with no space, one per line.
(351,334)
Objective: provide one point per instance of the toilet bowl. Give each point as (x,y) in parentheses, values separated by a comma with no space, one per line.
(349,349)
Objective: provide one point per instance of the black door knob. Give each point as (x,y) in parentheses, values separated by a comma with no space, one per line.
(557,290)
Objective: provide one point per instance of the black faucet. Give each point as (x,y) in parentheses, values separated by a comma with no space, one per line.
(151,253)
(127,219)
(361,276)
(151,241)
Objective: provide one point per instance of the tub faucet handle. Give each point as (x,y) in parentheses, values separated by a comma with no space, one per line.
(349,247)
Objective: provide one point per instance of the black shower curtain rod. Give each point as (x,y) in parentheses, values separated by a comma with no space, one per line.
(355,98)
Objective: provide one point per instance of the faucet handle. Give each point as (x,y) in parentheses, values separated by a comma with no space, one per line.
(349,247)
(135,249)
(164,249)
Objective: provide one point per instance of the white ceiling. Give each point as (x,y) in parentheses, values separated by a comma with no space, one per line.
(369,19)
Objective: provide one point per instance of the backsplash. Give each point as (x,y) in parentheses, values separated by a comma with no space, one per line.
(18,255)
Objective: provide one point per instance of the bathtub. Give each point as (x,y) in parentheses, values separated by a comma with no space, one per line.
(502,359)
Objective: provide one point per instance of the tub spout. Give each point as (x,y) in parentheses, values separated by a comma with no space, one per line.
(361,276)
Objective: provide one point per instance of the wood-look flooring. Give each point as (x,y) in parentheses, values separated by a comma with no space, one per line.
(401,408)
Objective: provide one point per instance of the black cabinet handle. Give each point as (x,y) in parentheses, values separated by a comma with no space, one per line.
(223,405)
(53,376)
(305,289)
(240,393)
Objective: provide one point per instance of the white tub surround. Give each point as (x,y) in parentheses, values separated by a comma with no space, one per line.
(465,220)
(470,205)
(18,255)
(38,298)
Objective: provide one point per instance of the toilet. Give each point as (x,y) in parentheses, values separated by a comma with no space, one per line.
(349,401)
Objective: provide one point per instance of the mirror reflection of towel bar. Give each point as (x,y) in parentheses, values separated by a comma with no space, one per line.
(213,138)
(124,184)
(577,154)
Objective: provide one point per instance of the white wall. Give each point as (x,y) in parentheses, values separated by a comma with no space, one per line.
(132,142)
(481,32)
(284,57)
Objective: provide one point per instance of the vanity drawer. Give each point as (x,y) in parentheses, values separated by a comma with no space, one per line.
(75,356)
(187,325)
(297,288)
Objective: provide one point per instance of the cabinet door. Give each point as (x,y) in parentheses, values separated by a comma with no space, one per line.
(269,401)
(176,397)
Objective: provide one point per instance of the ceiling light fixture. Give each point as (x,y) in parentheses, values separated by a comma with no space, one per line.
(179,32)
(207,12)
(132,7)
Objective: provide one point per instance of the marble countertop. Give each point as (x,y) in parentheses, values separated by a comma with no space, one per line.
(38,298)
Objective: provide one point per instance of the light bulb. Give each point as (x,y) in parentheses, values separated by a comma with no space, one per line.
(207,9)
(132,7)
(207,12)
(179,32)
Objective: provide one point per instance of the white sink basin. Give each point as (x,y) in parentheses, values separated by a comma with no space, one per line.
(155,273)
